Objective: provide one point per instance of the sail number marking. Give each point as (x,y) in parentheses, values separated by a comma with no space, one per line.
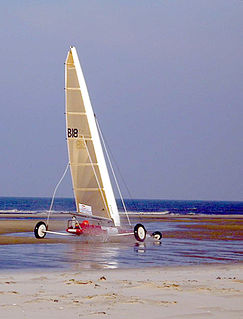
(72,132)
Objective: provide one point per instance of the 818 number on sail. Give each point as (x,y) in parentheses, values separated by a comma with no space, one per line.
(72,132)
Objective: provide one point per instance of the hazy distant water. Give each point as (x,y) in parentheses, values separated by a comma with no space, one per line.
(137,205)
(77,254)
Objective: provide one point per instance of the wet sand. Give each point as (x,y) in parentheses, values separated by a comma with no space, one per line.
(177,292)
(209,228)
(20,223)
(228,228)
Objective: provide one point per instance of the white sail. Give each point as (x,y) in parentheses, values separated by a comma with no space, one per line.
(91,183)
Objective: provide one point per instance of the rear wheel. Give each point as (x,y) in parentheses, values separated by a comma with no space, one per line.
(40,230)
(157,235)
(139,232)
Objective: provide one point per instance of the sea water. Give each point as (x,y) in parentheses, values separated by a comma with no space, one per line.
(77,254)
(15,204)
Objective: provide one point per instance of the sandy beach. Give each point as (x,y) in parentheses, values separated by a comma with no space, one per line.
(199,291)
(176,292)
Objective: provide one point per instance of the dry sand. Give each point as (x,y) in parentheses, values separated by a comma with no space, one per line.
(177,292)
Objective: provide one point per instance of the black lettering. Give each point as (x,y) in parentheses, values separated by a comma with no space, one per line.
(75,132)
(72,132)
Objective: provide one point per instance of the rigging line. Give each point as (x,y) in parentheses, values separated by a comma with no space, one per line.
(96,177)
(54,193)
(123,180)
(112,170)
(120,174)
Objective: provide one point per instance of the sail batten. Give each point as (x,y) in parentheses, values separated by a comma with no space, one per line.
(74,88)
(76,113)
(91,182)
(88,189)
(83,164)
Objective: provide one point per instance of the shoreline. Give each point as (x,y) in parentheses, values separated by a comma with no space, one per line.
(229,266)
(208,227)
(203,290)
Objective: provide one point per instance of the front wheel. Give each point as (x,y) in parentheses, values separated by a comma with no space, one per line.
(40,230)
(139,232)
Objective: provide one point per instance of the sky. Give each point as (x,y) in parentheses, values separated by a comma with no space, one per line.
(165,78)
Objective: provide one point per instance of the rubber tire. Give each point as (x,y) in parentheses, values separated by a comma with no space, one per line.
(140,232)
(157,235)
(40,229)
